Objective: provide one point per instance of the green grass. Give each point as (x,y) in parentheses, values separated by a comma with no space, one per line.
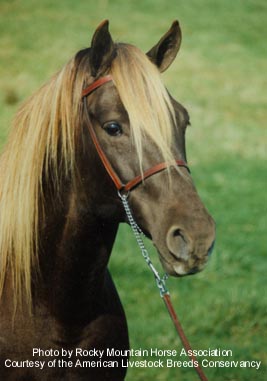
(220,76)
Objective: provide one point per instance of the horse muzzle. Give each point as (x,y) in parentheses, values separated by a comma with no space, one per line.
(184,253)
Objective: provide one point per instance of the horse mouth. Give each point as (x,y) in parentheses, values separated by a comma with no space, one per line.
(179,267)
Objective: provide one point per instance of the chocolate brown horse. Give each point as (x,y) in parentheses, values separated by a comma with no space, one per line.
(60,211)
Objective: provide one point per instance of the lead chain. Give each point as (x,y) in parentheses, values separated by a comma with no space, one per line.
(161,282)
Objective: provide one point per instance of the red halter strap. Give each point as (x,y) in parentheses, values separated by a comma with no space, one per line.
(99,82)
(115,178)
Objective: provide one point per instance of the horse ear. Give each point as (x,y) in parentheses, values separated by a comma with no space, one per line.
(102,49)
(163,54)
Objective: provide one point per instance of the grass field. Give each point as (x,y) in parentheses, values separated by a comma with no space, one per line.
(220,76)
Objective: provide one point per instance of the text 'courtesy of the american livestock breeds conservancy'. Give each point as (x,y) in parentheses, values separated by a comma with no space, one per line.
(132,358)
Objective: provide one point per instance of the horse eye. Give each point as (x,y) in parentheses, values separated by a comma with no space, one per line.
(113,128)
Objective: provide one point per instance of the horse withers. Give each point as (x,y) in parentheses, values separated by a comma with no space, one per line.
(60,210)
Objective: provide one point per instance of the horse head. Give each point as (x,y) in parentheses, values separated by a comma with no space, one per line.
(138,125)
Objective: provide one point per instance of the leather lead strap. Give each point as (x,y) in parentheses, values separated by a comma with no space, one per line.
(185,342)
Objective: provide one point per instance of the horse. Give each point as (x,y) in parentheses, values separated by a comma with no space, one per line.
(104,119)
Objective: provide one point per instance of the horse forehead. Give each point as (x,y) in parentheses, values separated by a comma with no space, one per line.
(107,97)
(106,100)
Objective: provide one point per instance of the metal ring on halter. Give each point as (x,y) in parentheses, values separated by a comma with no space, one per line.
(121,195)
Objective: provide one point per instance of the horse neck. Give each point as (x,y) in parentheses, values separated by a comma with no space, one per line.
(76,245)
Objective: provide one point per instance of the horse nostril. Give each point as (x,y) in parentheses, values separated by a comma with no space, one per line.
(176,233)
(177,243)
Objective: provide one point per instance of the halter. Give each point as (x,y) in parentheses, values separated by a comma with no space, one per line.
(123,192)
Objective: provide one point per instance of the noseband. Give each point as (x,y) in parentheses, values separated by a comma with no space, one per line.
(121,187)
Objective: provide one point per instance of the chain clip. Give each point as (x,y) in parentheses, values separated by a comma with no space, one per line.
(138,233)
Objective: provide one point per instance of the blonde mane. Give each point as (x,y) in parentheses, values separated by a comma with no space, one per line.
(145,98)
(43,140)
